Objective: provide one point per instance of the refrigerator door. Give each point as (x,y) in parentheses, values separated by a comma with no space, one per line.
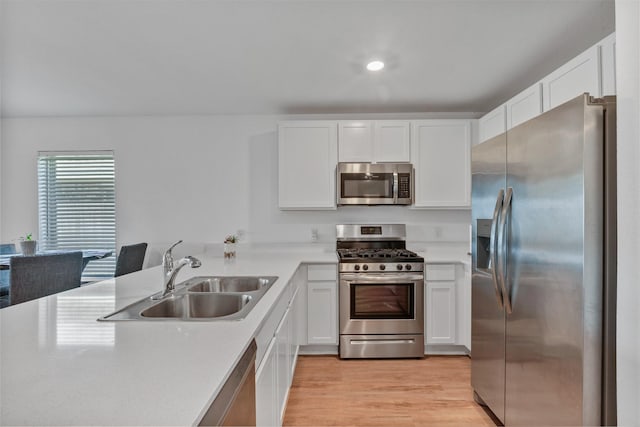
(553,257)
(488,317)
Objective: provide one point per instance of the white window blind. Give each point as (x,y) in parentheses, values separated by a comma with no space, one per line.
(77,205)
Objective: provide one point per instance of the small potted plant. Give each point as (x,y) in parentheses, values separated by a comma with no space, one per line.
(28,245)
(230,246)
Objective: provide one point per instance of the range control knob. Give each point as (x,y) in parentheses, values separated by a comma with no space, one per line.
(365,267)
(407,267)
(382,267)
(399,266)
(356,267)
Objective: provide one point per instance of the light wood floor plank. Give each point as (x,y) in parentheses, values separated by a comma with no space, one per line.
(436,390)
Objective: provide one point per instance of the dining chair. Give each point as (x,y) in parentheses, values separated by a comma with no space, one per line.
(5,249)
(130,259)
(37,276)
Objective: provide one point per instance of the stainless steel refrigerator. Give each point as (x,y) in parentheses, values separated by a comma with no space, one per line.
(543,279)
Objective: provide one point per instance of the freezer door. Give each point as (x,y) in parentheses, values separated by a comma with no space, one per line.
(554,267)
(488,317)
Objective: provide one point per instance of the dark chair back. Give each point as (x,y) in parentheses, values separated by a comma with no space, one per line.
(7,248)
(37,276)
(130,259)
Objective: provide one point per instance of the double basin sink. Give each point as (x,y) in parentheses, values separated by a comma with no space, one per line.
(201,299)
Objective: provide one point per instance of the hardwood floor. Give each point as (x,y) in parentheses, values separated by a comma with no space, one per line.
(436,390)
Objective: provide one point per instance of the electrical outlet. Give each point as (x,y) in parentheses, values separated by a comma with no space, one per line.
(438,231)
(314,234)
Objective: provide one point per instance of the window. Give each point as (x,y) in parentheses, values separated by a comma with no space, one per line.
(77,210)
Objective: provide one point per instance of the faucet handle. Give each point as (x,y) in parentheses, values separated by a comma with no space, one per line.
(167,258)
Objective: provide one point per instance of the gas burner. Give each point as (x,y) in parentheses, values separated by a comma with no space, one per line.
(385,254)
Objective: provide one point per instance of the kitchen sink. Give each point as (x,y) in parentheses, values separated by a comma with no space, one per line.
(205,298)
(198,306)
(229,284)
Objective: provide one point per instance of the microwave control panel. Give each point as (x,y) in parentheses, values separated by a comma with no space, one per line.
(404,186)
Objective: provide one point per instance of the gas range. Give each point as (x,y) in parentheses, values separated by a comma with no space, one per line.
(381,293)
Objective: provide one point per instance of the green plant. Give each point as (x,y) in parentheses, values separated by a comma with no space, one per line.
(28,237)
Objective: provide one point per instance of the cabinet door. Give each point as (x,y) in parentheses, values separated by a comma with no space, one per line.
(580,75)
(307,158)
(608,64)
(465,307)
(493,123)
(283,371)
(441,156)
(322,304)
(391,142)
(440,312)
(355,141)
(524,106)
(293,333)
(266,404)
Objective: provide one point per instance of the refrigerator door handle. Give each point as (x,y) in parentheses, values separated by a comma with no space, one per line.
(493,245)
(502,248)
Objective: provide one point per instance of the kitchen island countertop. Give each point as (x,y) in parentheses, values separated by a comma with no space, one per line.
(60,366)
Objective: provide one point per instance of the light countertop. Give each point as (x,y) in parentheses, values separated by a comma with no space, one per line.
(59,366)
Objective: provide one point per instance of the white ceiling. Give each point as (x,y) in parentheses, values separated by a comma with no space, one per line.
(144,57)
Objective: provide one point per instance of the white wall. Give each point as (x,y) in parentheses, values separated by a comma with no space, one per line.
(628,317)
(196,178)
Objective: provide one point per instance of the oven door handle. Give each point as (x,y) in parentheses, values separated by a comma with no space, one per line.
(388,278)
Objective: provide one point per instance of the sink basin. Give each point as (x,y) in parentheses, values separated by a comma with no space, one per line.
(229,284)
(205,298)
(198,306)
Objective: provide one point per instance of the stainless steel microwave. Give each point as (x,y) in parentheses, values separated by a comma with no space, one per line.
(374,184)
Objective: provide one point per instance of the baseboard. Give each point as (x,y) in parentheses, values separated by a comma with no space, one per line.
(435,349)
(310,350)
(446,349)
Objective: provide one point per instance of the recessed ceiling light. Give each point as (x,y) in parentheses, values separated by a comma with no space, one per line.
(375,65)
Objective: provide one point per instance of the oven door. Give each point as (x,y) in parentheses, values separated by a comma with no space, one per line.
(388,303)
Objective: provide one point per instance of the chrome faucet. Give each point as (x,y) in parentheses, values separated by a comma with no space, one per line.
(170,269)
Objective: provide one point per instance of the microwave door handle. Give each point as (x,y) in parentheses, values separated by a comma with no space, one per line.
(395,187)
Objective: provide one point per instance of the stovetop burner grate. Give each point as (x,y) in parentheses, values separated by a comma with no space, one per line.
(390,254)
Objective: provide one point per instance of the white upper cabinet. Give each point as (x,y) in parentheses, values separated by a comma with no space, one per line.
(391,141)
(580,75)
(608,63)
(441,156)
(355,141)
(374,141)
(493,123)
(307,157)
(524,106)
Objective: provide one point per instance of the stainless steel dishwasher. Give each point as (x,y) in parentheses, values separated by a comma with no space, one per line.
(235,405)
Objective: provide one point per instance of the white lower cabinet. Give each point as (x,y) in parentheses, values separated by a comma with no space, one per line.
(275,369)
(322,305)
(441,312)
(266,402)
(447,308)
(283,361)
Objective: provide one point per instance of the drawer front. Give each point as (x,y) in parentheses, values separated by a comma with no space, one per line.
(322,272)
(440,272)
